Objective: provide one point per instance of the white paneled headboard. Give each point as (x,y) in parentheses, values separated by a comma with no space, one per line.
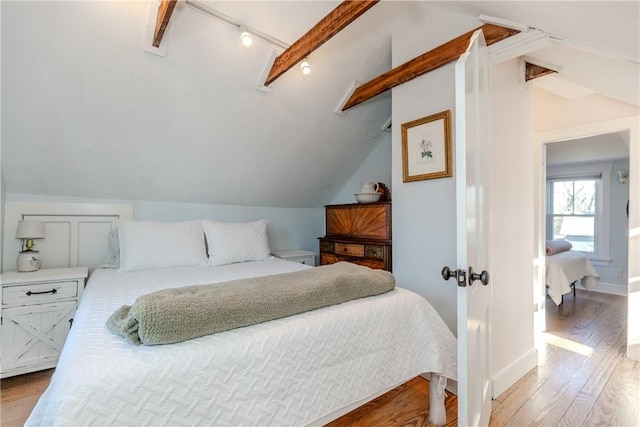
(76,234)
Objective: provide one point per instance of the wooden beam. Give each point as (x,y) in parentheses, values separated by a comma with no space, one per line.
(534,71)
(424,63)
(164,14)
(347,12)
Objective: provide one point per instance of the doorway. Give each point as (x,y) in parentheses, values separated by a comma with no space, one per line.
(586,195)
(628,129)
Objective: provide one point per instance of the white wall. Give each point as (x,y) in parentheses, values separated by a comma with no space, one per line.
(289,228)
(424,220)
(554,112)
(619,230)
(512,237)
(2,187)
(81,98)
(375,168)
(2,216)
(424,211)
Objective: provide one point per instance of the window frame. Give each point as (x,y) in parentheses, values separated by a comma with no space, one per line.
(602,224)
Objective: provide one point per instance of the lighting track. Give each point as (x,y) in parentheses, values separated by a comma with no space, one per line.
(237,24)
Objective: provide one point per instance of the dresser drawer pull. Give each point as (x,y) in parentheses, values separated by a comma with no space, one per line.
(52,291)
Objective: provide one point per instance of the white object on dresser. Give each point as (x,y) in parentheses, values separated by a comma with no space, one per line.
(37,311)
(296,255)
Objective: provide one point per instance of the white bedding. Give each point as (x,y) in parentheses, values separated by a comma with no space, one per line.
(564,268)
(291,371)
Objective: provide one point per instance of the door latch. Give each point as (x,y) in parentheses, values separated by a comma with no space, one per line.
(460,275)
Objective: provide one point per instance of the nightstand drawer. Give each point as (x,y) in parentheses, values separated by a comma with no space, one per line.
(349,249)
(296,255)
(38,293)
(310,260)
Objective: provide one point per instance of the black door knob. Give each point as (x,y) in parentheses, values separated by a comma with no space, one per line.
(483,277)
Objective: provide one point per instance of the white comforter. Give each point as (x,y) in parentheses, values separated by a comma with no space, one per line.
(564,268)
(291,371)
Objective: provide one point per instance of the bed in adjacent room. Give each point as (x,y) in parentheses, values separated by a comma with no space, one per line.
(304,369)
(564,267)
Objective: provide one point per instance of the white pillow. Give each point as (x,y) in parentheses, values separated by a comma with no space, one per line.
(146,245)
(231,242)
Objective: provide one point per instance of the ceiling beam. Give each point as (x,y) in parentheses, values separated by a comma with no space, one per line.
(347,12)
(533,71)
(164,14)
(429,61)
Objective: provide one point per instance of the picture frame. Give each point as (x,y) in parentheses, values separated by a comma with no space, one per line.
(426,148)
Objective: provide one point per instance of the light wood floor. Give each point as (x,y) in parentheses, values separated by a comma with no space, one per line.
(583,379)
(19,396)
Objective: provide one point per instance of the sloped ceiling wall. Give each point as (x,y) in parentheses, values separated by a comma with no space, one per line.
(86,112)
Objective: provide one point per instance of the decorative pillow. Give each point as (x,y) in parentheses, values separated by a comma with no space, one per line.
(112,260)
(231,242)
(146,245)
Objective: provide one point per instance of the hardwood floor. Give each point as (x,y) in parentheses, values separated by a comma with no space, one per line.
(406,405)
(583,379)
(19,396)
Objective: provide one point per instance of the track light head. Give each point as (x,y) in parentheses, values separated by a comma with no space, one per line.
(246,39)
(305,67)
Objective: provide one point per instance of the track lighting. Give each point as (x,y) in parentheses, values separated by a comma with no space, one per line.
(305,67)
(246,39)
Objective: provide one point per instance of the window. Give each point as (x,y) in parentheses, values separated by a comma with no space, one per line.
(579,208)
(573,212)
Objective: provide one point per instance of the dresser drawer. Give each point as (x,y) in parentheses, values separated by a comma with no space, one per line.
(349,249)
(326,259)
(326,246)
(374,251)
(37,293)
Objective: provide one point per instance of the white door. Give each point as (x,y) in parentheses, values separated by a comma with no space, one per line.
(473,222)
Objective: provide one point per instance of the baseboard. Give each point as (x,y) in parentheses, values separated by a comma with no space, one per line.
(512,373)
(610,288)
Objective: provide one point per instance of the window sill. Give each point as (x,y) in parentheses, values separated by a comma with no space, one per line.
(600,262)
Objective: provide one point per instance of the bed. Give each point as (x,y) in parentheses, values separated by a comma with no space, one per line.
(306,369)
(564,269)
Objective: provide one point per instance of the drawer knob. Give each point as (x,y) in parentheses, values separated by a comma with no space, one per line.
(52,291)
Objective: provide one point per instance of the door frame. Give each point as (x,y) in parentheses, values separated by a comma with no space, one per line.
(632,125)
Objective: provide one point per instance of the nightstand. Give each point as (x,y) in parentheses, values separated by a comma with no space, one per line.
(295,255)
(37,311)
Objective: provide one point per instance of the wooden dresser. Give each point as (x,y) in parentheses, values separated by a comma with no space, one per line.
(358,233)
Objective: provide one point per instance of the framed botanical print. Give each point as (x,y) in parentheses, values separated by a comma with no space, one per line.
(426,148)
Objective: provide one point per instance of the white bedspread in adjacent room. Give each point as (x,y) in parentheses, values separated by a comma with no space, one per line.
(566,267)
(290,371)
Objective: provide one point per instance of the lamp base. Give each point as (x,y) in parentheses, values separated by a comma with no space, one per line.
(28,261)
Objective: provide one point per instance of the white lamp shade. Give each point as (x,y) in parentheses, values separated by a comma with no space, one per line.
(30,230)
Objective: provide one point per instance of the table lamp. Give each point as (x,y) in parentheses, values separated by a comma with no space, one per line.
(29,259)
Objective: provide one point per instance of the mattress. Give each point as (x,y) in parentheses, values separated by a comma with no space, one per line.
(290,371)
(564,268)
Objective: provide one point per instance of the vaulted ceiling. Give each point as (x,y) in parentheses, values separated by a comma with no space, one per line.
(87,112)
